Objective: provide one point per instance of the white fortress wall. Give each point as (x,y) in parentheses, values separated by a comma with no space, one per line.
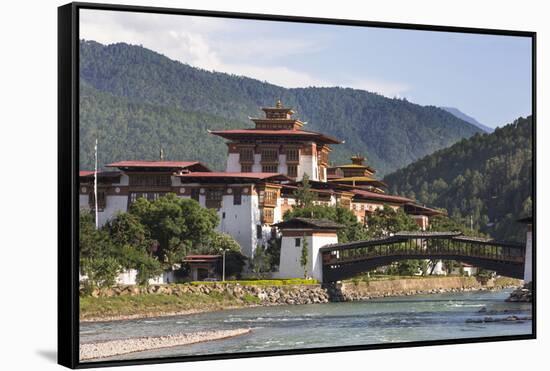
(233,164)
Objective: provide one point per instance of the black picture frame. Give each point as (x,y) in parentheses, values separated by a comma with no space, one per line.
(68,160)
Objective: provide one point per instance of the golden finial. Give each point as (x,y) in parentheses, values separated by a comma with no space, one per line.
(279,104)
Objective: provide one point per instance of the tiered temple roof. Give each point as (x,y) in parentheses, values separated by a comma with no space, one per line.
(277,124)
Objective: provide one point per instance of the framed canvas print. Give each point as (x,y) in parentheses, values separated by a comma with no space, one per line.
(241,185)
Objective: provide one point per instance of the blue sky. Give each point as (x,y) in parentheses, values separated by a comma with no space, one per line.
(487,77)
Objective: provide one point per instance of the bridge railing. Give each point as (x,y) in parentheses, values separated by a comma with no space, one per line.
(423,247)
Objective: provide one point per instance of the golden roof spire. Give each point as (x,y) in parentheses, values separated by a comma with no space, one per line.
(279,104)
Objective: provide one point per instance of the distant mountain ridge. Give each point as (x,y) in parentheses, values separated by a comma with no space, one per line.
(390,132)
(485,180)
(461,115)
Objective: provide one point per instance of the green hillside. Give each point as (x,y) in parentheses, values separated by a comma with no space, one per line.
(133,131)
(390,132)
(485,179)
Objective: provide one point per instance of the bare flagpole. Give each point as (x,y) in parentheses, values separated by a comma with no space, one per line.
(95,188)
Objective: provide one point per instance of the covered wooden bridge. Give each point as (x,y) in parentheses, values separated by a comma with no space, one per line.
(345,260)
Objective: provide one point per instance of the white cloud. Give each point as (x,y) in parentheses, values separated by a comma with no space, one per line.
(196,41)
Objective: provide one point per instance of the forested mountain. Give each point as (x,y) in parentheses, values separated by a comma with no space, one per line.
(461,115)
(390,132)
(485,179)
(127,130)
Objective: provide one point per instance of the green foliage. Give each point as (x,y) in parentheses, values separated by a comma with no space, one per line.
(93,243)
(222,241)
(273,252)
(385,221)
(442,223)
(179,225)
(101,272)
(303,195)
(304,255)
(260,261)
(234,260)
(485,180)
(352,230)
(135,100)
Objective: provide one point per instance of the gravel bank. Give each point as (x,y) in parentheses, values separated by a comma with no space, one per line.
(110,348)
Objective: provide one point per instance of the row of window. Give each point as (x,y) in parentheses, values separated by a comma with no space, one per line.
(213,197)
(269,155)
(292,170)
(150,180)
(268,197)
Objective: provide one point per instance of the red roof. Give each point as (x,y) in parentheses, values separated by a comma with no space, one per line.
(221,174)
(159,164)
(293,187)
(379,196)
(282,132)
(100,174)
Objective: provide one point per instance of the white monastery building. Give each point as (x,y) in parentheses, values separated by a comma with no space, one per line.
(265,166)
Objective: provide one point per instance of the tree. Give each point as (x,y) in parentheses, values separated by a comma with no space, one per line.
(303,195)
(260,262)
(352,230)
(179,225)
(387,220)
(100,271)
(93,243)
(234,259)
(304,255)
(274,251)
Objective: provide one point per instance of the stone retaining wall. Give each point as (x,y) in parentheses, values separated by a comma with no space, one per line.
(265,295)
(310,294)
(350,291)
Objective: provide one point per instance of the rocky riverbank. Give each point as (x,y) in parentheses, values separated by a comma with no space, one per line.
(91,351)
(132,302)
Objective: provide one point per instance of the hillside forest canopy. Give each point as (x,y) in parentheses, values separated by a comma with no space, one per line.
(136,101)
(484,182)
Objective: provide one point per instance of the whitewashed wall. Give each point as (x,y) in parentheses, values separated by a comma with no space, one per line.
(114,205)
(238,220)
(290,267)
(233,165)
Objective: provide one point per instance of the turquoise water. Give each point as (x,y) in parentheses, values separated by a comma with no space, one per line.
(386,320)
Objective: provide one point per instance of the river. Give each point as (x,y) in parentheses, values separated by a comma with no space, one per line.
(386,320)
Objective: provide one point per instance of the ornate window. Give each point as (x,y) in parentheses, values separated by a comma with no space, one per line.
(292,155)
(246,155)
(272,168)
(270,198)
(195,194)
(267,216)
(292,171)
(270,155)
(149,196)
(101,200)
(246,168)
(214,198)
(158,180)
(237,196)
